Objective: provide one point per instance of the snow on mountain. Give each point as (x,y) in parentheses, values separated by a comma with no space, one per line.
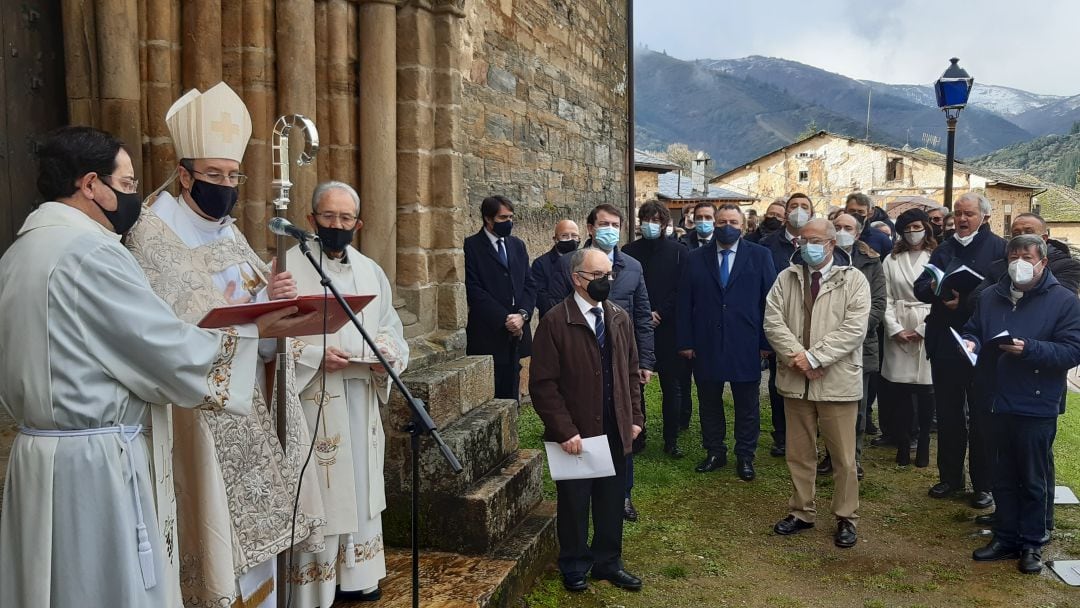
(1003,101)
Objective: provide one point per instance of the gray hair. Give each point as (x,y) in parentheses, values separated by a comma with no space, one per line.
(325,187)
(830,230)
(860,199)
(984,205)
(1020,244)
(577,259)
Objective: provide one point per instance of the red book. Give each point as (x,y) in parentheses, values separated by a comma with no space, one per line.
(239,314)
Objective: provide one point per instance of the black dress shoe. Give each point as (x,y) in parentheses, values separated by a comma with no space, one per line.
(941,490)
(1030,562)
(744,468)
(986,519)
(357,596)
(574,583)
(982,500)
(711,463)
(620,578)
(994,551)
(881,441)
(825,466)
(871,428)
(778,449)
(791,525)
(845,534)
(673,450)
(858,471)
(629,513)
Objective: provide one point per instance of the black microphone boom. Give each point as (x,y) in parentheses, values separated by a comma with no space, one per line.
(283,227)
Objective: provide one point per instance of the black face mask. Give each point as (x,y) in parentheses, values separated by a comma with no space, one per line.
(771,224)
(937,229)
(598,289)
(948,233)
(335,239)
(502,229)
(565,247)
(128,207)
(214,200)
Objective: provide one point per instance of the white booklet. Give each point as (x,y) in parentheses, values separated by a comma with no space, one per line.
(593,461)
(972,357)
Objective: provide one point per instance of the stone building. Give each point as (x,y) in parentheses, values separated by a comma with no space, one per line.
(427,106)
(828,167)
(648,168)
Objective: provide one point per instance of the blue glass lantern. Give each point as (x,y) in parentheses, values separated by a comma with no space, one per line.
(954,87)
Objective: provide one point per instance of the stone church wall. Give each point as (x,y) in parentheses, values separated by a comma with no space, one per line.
(544,110)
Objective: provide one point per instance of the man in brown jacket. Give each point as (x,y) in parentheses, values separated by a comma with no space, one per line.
(583,379)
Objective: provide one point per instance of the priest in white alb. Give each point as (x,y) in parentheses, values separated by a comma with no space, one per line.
(86,346)
(235,486)
(349,439)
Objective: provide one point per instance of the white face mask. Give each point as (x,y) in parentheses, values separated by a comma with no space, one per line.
(914,238)
(964,240)
(844,239)
(1021,272)
(798,218)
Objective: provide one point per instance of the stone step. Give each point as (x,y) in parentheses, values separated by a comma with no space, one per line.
(449,389)
(477,520)
(499,579)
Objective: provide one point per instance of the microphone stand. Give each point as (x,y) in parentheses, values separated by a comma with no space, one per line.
(421,423)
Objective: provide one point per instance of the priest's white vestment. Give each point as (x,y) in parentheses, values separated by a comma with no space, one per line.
(234,485)
(86,345)
(349,439)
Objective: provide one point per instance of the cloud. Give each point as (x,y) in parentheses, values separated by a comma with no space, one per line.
(1025,45)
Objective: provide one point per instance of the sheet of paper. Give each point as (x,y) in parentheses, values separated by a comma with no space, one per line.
(593,461)
(1063,495)
(1067,569)
(972,357)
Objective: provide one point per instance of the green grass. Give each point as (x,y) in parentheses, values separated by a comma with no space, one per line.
(706,540)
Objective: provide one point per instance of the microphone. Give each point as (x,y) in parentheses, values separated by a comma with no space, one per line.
(283,227)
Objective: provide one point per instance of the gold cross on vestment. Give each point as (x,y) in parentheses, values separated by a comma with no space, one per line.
(226,127)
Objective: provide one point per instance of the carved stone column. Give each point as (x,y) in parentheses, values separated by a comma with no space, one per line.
(378,133)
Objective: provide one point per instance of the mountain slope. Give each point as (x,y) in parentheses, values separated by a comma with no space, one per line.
(1057,117)
(1003,101)
(1052,157)
(900,118)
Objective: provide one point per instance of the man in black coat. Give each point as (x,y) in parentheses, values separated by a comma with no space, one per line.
(546,267)
(772,222)
(974,246)
(662,261)
(861,205)
(500,293)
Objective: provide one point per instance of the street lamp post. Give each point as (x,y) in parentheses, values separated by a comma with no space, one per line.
(953,90)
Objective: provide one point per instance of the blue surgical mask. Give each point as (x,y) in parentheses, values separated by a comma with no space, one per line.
(650,230)
(606,237)
(704,228)
(728,234)
(813,254)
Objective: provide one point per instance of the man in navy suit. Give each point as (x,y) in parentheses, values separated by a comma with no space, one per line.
(721,329)
(546,267)
(501,295)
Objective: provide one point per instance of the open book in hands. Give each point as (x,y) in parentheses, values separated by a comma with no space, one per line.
(960,279)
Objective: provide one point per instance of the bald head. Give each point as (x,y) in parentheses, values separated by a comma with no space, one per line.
(819,228)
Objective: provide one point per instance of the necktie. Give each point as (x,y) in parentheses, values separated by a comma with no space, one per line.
(601,334)
(815,285)
(725,274)
(502,253)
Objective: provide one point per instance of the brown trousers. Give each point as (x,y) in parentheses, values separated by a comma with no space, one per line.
(836,421)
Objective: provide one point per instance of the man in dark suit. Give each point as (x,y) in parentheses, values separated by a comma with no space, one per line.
(628,291)
(721,329)
(702,231)
(501,295)
(958,412)
(862,206)
(583,378)
(662,261)
(546,267)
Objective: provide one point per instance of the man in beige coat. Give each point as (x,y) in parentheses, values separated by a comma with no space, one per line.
(815,319)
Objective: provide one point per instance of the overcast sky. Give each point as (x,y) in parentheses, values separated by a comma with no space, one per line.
(1027,44)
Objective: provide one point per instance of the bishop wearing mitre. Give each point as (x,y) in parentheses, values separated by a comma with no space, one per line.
(235,486)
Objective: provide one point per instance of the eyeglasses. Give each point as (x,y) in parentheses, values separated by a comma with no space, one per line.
(128,185)
(814,241)
(329,217)
(592,276)
(234,179)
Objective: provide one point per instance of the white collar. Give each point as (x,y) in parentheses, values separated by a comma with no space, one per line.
(787,233)
(825,271)
(733,249)
(585,306)
(61,214)
(492,237)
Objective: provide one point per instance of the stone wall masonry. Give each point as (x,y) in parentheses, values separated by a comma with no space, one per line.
(544,110)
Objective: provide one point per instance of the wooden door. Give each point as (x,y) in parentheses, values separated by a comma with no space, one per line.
(32,101)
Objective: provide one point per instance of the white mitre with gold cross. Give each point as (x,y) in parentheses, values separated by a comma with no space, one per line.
(214,124)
